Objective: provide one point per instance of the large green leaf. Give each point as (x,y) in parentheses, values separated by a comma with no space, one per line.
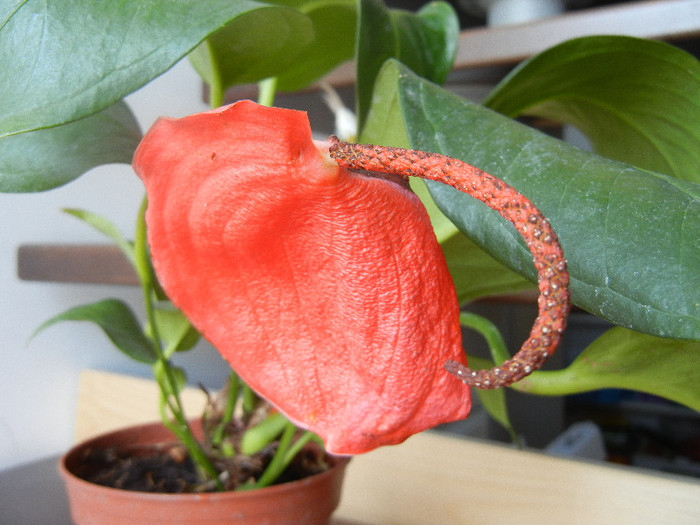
(62,61)
(629,235)
(250,48)
(637,100)
(622,358)
(425,41)
(117,321)
(47,158)
(334,23)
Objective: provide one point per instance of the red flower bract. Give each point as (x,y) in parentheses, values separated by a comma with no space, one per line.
(325,289)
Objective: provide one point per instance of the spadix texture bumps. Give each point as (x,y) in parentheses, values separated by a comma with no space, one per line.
(325,289)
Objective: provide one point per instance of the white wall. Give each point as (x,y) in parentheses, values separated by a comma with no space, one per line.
(38,380)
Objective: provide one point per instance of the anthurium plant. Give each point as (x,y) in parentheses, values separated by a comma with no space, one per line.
(330,275)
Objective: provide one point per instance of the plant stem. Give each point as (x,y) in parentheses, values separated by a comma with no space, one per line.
(169,390)
(489,331)
(266,91)
(285,453)
(216,86)
(234,387)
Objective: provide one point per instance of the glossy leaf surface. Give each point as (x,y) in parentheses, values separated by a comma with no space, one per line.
(629,235)
(637,100)
(79,57)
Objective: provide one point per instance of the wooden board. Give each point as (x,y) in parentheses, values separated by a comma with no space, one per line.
(67,263)
(432,478)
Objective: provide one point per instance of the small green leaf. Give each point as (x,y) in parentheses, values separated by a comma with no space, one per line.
(48,158)
(622,358)
(117,321)
(258,437)
(425,41)
(175,330)
(637,100)
(254,46)
(63,61)
(106,227)
(629,235)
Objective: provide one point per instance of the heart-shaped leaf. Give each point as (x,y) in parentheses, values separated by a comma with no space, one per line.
(637,100)
(117,321)
(47,158)
(67,60)
(425,41)
(629,235)
(325,289)
(622,358)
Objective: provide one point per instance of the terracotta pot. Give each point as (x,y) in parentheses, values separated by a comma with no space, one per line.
(308,501)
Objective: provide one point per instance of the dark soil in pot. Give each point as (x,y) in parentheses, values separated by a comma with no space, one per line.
(166,468)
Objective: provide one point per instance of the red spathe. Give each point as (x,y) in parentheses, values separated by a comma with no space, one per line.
(325,289)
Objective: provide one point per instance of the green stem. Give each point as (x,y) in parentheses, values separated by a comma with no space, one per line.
(489,331)
(169,389)
(285,453)
(216,86)
(266,91)
(250,401)
(234,387)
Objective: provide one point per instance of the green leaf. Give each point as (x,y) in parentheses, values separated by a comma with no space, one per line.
(117,321)
(63,61)
(622,358)
(253,47)
(261,435)
(334,24)
(175,330)
(106,227)
(44,159)
(425,41)
(629,235)
(637,100)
